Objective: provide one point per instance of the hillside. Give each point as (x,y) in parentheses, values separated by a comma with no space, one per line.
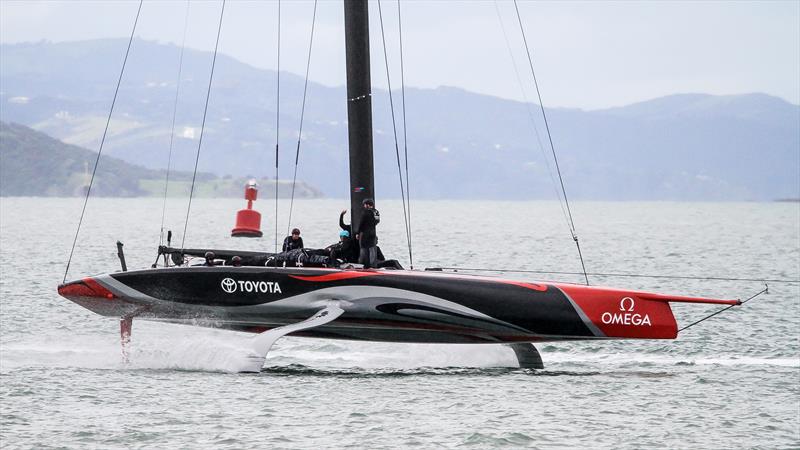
(34,164)
(37,165)
(461,144)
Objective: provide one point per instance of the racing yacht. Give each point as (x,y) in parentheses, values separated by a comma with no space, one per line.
(389,305)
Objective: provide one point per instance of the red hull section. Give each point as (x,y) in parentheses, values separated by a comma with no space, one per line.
(624,314)
(632,314)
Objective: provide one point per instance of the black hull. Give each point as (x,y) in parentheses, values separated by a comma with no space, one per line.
(380,305)
(392,306)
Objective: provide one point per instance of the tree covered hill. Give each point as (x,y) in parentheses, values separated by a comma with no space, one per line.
(35,164)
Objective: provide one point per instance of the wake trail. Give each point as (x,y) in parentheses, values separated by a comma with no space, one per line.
(181,348)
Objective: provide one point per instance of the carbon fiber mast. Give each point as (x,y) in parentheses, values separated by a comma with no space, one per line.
(359,107)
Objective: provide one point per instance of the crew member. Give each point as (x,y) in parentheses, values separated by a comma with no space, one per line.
(293,242)
(354,244)
(343,225)
(210,256)
(345,249)
(367,237)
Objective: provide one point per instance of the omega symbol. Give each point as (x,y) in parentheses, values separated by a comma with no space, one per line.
(629,301)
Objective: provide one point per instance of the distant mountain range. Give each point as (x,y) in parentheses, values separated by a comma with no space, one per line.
(34,164)
(460,144)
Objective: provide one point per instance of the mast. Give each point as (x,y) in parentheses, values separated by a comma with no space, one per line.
(359,106)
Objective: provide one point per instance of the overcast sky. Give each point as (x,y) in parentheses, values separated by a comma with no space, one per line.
(586,54)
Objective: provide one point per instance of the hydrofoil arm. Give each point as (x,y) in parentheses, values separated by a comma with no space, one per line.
(263,342)
(527,355)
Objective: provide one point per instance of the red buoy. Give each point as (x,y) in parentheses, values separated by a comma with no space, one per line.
(248,221)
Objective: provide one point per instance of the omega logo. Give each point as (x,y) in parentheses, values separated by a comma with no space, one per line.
(626,316)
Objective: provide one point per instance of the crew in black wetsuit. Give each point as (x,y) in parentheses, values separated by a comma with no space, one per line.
(210,256)
(343,225)
(293,242)
(367,236)
(346,249)
(355,245)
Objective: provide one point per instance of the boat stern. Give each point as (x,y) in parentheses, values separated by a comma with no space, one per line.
(631,314)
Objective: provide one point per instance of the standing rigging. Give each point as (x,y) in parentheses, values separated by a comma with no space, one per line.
(103,140)
(277,122)
(172,127)
(405,135)
(302,116)
(552,147)
(203,125)
(403,185)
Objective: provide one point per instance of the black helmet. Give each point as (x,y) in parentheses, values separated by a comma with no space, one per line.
(368,201)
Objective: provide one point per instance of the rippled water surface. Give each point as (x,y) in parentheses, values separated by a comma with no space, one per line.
(730,382)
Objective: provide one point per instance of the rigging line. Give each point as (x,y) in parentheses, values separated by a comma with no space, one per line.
(203,125)
(172,129)
(765,290)
(277,123)
(302,116)
(405,135)
(550,138)
(102,141)
(531,116)
(624,275)
(394,128)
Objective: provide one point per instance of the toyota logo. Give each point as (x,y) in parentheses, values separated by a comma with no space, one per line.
(228,285)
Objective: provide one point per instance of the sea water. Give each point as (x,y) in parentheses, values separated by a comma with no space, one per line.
(732,381)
